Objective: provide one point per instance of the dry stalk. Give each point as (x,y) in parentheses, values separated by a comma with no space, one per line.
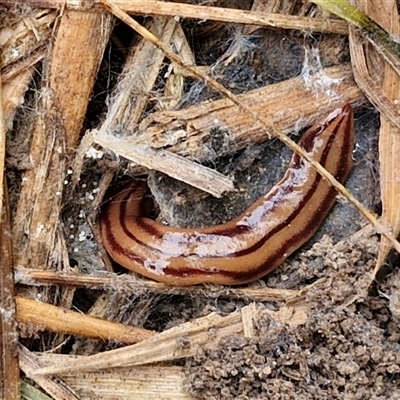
(64,321)
(134,285)
(9,368)
(176,10)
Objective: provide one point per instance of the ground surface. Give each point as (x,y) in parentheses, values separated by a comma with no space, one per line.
(348,348)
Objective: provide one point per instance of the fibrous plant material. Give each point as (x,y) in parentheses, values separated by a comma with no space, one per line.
(280,75)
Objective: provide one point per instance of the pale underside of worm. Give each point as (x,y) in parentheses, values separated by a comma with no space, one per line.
(247,247)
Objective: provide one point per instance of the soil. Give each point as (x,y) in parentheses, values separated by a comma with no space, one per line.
(342,352)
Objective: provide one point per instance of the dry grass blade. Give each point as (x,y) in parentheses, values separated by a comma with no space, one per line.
(368,83)
(9,369)
(389,136)
(384,94)
(57,388)
(153,382)
(131,284)
(141,68)
(185,132)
